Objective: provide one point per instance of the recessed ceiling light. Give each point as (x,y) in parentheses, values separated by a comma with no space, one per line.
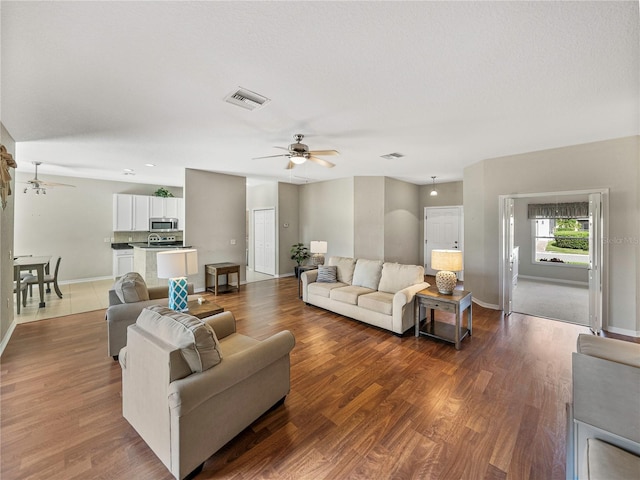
(128,170)
(149,164)
(392,156)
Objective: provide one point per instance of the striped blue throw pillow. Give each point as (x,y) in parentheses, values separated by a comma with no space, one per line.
(327,274)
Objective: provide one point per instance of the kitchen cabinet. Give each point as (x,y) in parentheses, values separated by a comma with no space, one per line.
(122,262)
(168,207)
(130,213)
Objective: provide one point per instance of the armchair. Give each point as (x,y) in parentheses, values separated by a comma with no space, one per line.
(120,315)
(187,412)
(604,426)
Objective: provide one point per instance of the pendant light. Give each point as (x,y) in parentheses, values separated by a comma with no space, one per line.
(434,192)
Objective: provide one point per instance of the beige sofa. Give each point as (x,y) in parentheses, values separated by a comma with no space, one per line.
(188,391)
(604,418)
(370,291)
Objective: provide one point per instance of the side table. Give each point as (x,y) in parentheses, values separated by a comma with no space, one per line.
(213,272)
(456,303)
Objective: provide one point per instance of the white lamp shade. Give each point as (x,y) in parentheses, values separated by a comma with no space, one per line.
(449,260)
(177,263)
(318,246)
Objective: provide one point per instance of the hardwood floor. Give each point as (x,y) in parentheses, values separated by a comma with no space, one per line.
(364,403)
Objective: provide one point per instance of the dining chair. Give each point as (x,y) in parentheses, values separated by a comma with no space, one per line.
(48,279)
(20,287)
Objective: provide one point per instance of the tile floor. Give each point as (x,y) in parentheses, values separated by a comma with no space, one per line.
(76,298)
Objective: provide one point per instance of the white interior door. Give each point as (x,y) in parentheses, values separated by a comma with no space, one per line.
(508,219)
(595,261)
(264,253)
(442,230)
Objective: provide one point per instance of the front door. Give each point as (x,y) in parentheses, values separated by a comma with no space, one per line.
(264,241)
(442,230)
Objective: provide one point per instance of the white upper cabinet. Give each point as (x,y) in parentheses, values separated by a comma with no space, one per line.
(131,213)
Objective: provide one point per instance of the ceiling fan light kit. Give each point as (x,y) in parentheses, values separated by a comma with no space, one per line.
(299,153)
(38,185)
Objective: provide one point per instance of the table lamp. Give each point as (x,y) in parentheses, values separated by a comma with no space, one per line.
(318,248)
(447,262)
(176,265)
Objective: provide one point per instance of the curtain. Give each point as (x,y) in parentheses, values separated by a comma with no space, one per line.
(559,210)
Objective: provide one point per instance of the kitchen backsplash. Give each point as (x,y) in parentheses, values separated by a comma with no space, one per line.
(127,237)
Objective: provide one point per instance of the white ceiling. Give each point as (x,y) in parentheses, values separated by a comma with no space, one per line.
(91,88)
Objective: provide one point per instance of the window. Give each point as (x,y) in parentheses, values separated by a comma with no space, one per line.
(561,241)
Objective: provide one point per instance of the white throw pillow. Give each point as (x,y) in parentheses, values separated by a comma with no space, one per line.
(196,339)
(367,273)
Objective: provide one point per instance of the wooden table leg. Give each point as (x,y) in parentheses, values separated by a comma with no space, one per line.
(40,270)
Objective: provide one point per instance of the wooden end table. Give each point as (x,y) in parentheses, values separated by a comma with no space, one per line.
(213,272)
(301,270)
(456,303)
(208,307)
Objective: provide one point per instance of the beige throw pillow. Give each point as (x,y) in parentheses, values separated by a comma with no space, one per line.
(131,288)
(196,340)
(395,277)
(345,268)
(367,273)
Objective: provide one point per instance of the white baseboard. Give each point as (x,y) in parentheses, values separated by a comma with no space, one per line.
(7,336)
(554,280)
(485,305)
(83,280)
(623,331)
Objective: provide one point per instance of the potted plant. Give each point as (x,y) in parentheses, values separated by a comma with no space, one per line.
(299,253)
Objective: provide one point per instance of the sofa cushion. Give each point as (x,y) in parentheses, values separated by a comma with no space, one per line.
(627,353)
(196,340)
(327,274)
(606,462)
(367,273)
(345,268)
(395,277)
(131,288)
(323,289)
(381,302)
(349,294)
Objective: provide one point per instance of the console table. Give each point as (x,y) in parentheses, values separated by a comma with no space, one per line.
(213,272)
(456,303)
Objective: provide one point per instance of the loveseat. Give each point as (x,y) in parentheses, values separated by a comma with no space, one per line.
(128,296)
(189,386)
(377,293)
(604,417)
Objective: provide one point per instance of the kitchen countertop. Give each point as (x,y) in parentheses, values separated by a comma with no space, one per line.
(121,246)
(169,245)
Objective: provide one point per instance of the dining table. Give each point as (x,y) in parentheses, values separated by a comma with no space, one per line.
(40,264)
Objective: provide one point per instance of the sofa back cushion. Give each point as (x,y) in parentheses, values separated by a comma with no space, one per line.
(367,273)
(345,265)
(395,277)
(196,340)
(131,288)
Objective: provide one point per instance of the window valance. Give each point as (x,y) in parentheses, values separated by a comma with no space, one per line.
(559,210)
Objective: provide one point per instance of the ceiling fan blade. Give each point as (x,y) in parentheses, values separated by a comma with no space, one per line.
(324,152)
(282,148)
(321,161)
(54,184)
(290,165)
(271,156)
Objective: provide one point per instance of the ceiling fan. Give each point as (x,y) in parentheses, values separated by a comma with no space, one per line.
(299,153)
(40,185)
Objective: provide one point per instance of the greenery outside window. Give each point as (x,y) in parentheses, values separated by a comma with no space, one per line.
(561,241)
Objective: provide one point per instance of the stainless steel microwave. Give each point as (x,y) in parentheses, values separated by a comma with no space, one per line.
(163,224)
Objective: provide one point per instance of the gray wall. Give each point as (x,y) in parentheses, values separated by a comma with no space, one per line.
(72,222)
(401,222)
(287,214)
(326,213)
(215,210)
(6,245)
(369,217)
(612,164)
(260,196)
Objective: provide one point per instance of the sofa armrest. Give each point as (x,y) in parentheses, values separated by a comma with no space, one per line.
(162,291)
(310,276)
(224,324)
(626,353)
(406,295)
(128,312)
(188,393)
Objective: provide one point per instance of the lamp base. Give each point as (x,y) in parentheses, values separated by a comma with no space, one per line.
(178,294)
(446,282)
(317,259)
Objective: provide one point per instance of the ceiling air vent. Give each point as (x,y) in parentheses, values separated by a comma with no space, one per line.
(246,99)
(392,156)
